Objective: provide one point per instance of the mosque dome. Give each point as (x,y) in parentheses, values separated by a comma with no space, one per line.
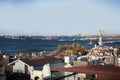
(101,49)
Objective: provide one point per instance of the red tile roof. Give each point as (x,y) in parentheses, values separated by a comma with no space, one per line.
(44,60)
(103,72)
(95,69)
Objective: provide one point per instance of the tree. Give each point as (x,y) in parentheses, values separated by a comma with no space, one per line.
(68,49)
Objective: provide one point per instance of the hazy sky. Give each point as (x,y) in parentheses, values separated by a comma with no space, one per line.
(58,17)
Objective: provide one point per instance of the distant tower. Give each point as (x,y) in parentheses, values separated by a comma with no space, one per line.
(100,39)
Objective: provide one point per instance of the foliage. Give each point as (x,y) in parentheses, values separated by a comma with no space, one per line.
(69,49)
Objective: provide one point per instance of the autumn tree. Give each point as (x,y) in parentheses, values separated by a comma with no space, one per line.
(68,49)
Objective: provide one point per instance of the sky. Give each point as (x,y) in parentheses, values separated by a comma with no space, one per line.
(59,17)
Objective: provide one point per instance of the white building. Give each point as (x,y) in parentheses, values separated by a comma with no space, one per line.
(70,59)
(36,67)
(21,67)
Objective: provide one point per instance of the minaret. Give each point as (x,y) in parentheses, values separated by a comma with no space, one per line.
(100,39)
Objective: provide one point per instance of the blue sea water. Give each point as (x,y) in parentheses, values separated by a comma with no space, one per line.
(10,46)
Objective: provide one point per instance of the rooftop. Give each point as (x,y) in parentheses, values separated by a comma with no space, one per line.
(92,69)
(103,72)
(34,62)
(101,47)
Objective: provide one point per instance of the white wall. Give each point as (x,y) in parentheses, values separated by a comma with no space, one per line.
(19,67)
(36,73)
(69,59)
